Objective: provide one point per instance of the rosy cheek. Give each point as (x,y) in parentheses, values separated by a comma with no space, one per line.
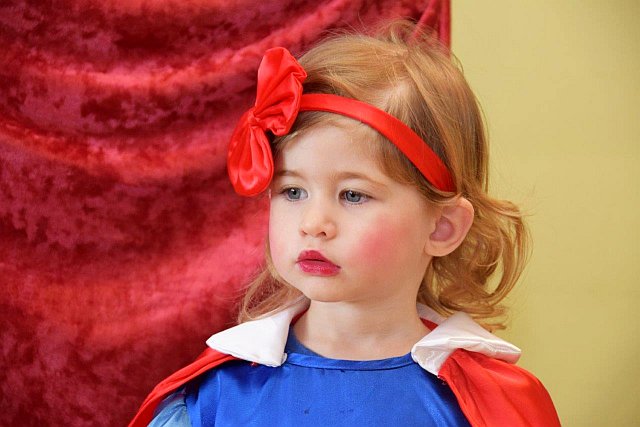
(378,244)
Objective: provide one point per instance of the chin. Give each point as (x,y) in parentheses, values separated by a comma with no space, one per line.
(323,295)
(318,288)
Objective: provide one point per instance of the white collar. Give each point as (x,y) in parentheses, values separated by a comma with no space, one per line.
(263,340)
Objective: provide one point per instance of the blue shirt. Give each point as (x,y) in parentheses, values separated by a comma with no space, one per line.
(311,390)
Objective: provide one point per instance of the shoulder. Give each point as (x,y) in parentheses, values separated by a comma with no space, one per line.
(208,360)
(172,411)
(494,392)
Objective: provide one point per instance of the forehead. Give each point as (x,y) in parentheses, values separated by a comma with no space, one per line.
(339,145)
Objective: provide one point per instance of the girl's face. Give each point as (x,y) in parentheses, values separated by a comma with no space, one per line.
(340,229)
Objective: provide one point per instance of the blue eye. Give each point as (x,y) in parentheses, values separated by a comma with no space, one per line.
(354,197)
(294,193)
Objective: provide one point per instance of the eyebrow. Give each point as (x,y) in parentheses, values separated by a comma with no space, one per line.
(338,176)
(287,172)
(341,176)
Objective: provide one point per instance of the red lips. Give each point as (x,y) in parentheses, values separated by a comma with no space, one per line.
(314,263)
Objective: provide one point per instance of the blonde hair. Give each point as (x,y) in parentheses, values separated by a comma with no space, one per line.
(417,80)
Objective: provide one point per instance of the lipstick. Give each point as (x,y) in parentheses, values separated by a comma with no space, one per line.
(314,263)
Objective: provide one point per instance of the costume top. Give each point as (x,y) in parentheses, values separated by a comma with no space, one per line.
(311,390)
(476,365)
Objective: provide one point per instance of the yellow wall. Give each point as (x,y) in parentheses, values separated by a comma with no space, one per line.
(560,84)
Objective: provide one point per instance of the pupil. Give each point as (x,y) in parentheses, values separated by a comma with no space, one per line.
(352,196)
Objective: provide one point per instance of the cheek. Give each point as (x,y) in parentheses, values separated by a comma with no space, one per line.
(380,244)
(277,236)
(274,240)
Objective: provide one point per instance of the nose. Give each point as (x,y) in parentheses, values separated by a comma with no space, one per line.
(318,221)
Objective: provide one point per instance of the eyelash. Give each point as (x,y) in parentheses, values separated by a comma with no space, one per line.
(363,196)
(285,192)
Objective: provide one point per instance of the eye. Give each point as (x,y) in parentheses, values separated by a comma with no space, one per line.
(354,197)
(294,193)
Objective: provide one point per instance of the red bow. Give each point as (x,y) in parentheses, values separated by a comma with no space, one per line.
(249,160)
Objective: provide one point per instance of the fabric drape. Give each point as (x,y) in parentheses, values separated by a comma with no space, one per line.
(122,244)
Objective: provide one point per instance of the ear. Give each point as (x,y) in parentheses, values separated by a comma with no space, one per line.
(451,227)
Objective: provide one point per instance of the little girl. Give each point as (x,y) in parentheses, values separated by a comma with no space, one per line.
(381,241)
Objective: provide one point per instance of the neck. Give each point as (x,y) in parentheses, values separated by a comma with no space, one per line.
(358,331)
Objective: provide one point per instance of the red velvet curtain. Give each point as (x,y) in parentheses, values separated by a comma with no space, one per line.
(122,245)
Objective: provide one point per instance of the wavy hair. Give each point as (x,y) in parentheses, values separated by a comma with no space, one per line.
(416,79)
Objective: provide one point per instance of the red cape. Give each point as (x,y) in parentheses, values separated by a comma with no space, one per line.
(490,392)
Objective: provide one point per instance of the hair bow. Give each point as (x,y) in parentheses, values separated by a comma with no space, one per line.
(249,160)
(278,101)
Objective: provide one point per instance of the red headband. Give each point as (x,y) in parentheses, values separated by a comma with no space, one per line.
(278,101)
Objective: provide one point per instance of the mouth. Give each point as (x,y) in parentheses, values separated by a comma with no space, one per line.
(314,263)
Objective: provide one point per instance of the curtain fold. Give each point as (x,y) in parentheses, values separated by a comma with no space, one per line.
(122,245)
